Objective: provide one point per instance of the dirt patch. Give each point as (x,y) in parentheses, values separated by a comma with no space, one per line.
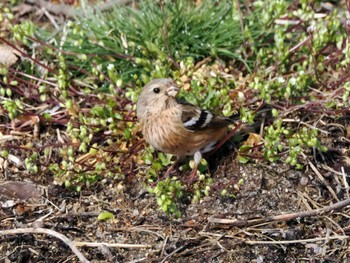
(267,190)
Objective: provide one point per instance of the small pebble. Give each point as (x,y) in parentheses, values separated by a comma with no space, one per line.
(304,180)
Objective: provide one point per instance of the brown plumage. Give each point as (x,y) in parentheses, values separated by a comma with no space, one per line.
(174,127)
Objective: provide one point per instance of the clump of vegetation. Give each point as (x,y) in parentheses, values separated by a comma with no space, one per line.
(89,75)
(168,192)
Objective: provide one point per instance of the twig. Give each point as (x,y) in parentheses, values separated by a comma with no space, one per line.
(284,217)
(276,242)
(82,214)
(138,260)
(24,54)
(220,236)
(240,15)
(166,39)
(71,11)
(172,253)
(51,19)
(49,232)
(119,245)
(306,200)
(228,136)
(309,240)
(202,62)
(345,182)
(299,45)
(131,151)
(164,244)
(319,175)
(306,124)
(141,229)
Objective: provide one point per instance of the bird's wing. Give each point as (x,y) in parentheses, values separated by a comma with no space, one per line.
(195,118)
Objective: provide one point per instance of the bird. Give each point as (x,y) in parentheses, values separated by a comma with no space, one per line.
(177,127)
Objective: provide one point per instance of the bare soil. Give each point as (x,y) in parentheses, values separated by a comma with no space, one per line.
(201,234)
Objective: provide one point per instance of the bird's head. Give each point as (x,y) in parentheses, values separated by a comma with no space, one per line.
(156,96)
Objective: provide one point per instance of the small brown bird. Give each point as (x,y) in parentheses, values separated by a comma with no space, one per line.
(175,127)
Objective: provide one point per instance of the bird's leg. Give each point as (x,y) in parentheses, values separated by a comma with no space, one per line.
(197,159)
(172,166)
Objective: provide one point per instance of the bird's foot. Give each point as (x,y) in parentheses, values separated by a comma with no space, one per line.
(171,170)
(193,176)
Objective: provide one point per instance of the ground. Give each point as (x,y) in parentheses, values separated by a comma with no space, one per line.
(273,212)
(200,234)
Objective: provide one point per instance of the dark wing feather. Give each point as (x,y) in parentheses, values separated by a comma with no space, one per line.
(195,118)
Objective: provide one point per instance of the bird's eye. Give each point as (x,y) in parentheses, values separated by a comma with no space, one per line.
(156,90)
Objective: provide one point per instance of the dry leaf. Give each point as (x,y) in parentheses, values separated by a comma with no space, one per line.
(253,140)
(348,131)
(25,122)
(186,86)
(8,55)
(19,190)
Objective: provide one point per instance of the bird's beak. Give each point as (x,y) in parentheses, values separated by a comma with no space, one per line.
(172,91)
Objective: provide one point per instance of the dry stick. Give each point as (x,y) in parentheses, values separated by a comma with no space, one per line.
(285,217)
(172,253)
(71,11)
(227,137)
(255,242)
(50,233)
(166,39)
(24,54)
(309,240)
(240,15)
(299,45)
(323,180)
(119,245)
(345,182)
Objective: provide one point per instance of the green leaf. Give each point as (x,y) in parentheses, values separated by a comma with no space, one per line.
(243,159)
(105,216)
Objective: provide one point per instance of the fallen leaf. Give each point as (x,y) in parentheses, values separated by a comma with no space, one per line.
(8,55)
(105,215)
(253,140)
(19,190)
(348,131)
(25,122)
